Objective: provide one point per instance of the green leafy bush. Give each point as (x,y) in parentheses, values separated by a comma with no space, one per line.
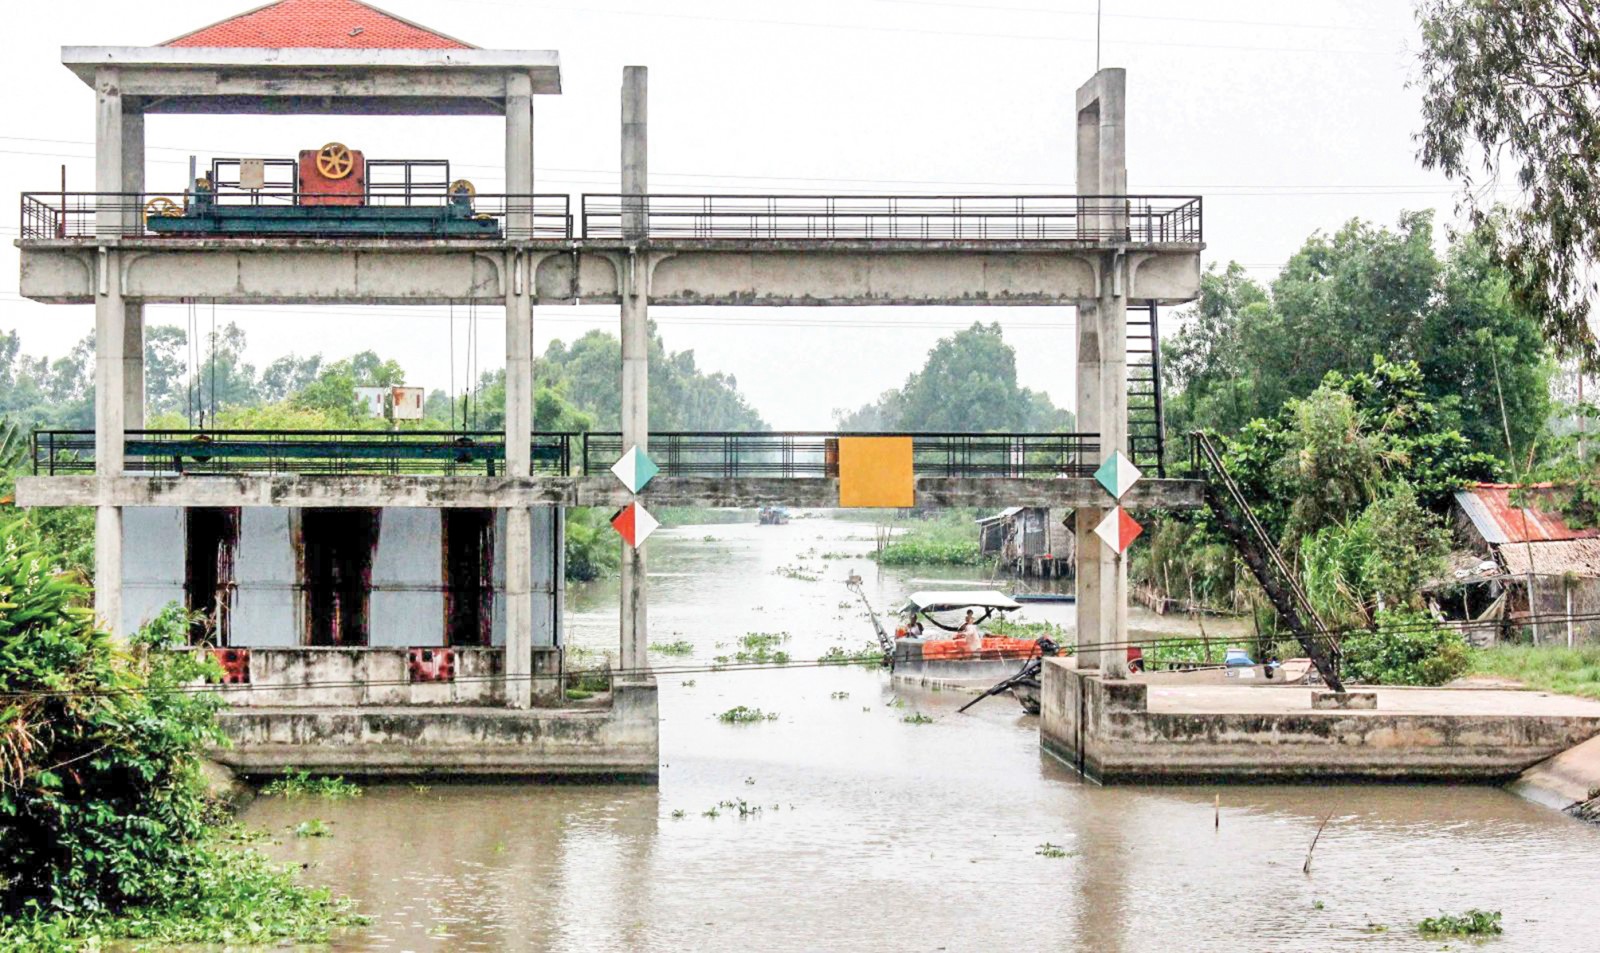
(1407,648)
(105,828)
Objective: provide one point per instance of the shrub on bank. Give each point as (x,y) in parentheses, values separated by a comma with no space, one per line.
(1407,648)
(105,829)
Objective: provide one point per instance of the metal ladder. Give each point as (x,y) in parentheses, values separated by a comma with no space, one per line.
(1146,430)
(1278,579)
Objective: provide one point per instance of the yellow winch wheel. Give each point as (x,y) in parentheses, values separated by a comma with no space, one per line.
(461,186)
(334,160)
(161,207)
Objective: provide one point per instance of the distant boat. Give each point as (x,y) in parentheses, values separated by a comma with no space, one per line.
(772,516)
(1045,597)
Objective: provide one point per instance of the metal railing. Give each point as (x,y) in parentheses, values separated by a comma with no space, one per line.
(300,451)
(405,213)
(91,215)
(1134,219)
(815,454)
(791,455)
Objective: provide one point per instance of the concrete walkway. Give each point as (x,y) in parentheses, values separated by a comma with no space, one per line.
(1252,699)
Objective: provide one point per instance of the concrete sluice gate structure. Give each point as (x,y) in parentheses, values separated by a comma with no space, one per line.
(1150,729)
(399,610)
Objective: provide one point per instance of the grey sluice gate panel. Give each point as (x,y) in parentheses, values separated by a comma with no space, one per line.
(152,568)
(407,602)
(546,581)
(265,603)
(265,607)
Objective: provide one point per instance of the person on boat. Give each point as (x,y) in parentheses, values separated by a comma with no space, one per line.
(914,628)
(969,632)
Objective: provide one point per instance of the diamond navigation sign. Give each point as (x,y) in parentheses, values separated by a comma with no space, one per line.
(1119,529)
(635,469)
(1117,474)
(634,524)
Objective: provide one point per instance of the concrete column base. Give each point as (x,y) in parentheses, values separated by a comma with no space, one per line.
(1344,701)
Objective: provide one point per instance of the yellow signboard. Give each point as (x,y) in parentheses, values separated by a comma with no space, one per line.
(876,471)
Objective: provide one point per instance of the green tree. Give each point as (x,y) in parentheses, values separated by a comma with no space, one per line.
(1344,299)
(588,374)
(968,384)
(1510,86)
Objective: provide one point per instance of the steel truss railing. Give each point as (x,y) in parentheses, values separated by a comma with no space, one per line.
(1134,219)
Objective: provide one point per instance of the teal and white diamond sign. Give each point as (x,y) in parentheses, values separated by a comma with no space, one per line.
(635,469)
(1117,474)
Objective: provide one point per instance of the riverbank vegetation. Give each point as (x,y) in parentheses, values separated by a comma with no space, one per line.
(949,538)
(106,830)
(1351,396)
(1547,668)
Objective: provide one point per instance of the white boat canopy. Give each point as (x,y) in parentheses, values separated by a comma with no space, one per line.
(956,600)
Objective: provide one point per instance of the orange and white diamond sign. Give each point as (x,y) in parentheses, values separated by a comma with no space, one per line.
(1119,529)
(634,524)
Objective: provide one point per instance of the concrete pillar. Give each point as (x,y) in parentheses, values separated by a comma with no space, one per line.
(110,323)
(519,607)
(1113,320)
(1085,519)
(133,333)
(1102,391)
(110,217)
(635,334)
(133,366)
(635,151)
(519,463)
(519,390)
(519,157)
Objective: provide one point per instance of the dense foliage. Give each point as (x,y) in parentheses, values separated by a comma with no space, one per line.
(1509,89)
(967,384)
(1406,647)
(1344,299)
(105,829)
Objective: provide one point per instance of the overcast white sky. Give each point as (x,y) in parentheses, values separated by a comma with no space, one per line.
(1287,117)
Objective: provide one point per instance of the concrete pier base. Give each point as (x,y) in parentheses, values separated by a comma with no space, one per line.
(1344,701)
(620,742)
(1129,730)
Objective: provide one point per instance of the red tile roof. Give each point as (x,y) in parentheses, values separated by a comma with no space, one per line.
(1498,520)
(326,24)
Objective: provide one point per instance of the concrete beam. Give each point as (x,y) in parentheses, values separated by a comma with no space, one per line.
(424,271)
(598,491)
(211,72)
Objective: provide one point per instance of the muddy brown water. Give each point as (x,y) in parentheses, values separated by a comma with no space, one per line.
(869,832)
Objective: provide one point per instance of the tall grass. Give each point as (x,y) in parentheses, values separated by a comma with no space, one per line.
(1573,671)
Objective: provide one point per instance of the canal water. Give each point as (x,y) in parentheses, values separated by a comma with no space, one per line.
(848,822)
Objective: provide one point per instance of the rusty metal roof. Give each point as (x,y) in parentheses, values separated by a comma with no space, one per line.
(1580,557)
(323,24)
(1499,521)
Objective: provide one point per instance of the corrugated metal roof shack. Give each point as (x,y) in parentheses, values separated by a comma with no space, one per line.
(1532,545)
(1030,540)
